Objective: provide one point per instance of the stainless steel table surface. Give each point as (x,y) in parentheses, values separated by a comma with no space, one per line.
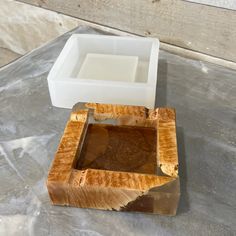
(204,96)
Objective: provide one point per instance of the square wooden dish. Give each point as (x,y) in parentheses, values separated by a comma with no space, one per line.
(129,163)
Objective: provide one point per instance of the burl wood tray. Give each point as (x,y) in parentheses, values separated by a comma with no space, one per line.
(121,158)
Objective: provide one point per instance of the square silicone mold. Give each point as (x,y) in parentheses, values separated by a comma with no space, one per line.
(128,65)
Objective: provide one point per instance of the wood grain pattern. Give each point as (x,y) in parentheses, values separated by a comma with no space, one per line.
(110,189)
(115,190)
(200,28)
(125,115)
(115,179)
(108,111)
(166,142)
(65,157)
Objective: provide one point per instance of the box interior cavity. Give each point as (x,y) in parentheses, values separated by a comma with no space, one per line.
(79,48)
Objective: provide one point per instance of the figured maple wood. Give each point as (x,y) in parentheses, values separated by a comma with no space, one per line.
(125,115)
(109,111)
(117,179)
(79,116)
(116,190)
(65,156)
(110,189)
(167,154)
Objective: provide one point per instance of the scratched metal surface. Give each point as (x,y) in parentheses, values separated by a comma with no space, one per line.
(204,96)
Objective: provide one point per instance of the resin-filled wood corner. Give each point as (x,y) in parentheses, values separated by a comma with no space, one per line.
(128,166)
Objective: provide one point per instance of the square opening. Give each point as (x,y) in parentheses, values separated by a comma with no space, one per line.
(82,46)
(119,148)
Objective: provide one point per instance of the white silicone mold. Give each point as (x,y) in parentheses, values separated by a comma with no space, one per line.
(105,69)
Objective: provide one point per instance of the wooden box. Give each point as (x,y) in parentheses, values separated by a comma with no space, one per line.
(121,158)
